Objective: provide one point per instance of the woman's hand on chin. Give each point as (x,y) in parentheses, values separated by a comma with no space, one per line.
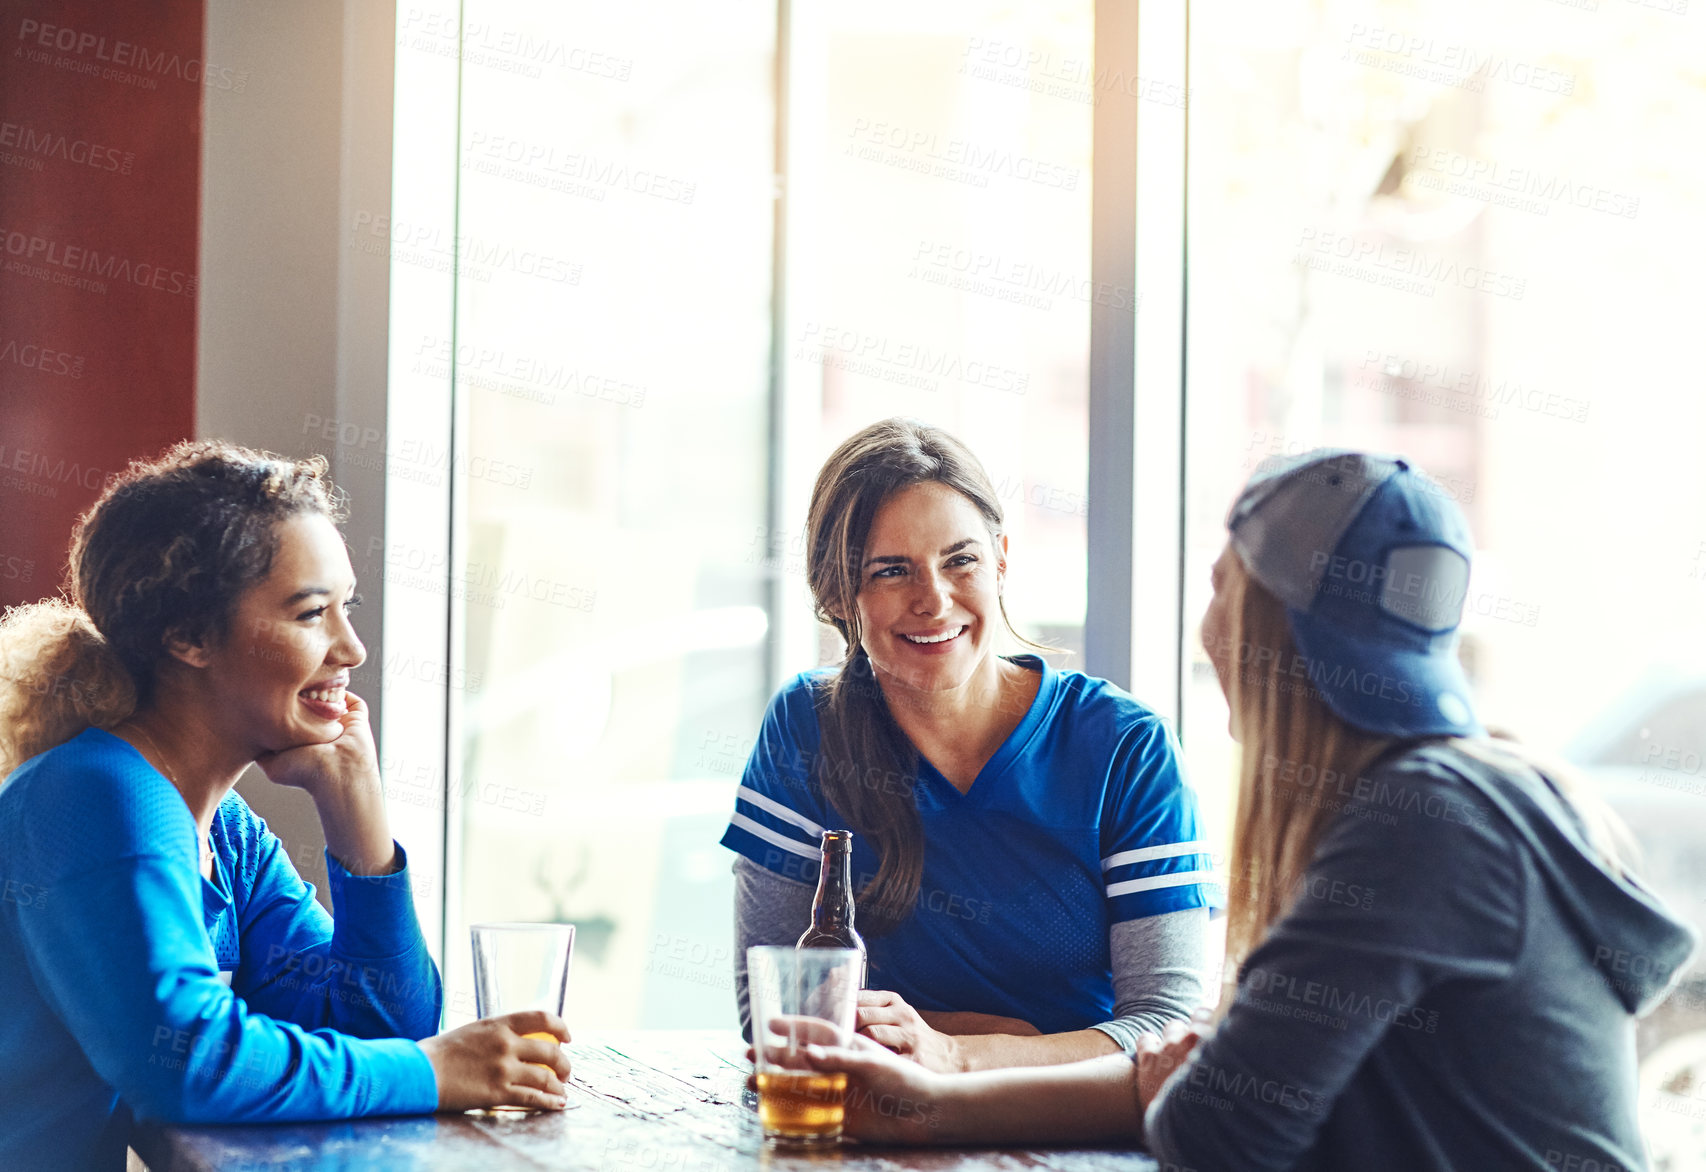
(342,764)
(342,776)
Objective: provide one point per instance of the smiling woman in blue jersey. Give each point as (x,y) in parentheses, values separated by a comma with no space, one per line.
(160,958)
(1033,884)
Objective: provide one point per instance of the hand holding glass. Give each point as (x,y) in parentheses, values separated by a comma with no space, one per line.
(522,966)
(801,997)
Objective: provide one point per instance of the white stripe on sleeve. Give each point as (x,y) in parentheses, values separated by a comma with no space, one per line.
(1171,850)
(773,838)
(771,806)
(1179,879)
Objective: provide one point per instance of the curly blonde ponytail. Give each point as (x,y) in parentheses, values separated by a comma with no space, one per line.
(58,676)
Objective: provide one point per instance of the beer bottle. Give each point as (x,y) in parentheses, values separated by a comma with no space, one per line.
(832,909)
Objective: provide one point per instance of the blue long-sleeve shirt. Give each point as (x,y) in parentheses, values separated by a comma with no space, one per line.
(132,987)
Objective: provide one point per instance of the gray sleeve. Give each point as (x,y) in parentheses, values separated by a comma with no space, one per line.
(1158,973)
(768,910)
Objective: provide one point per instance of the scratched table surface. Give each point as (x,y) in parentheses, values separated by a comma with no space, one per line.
(641,1100)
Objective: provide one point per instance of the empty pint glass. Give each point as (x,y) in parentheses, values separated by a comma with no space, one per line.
(521,966)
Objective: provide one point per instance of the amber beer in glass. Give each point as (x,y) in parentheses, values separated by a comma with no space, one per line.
(801,997)
(832,909)
(805,1108)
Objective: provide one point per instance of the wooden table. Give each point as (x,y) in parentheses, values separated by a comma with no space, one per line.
(639,1101)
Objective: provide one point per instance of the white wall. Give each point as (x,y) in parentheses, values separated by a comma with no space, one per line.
(292,320)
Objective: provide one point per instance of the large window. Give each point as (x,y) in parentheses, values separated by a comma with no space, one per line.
(631,443)
(676,273)
(938,246)
(1470,234)
(609,339)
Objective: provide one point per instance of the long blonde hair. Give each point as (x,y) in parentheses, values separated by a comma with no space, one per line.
(1296,752)
(164,553)
(1293,747)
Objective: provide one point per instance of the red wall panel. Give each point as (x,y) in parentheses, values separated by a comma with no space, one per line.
(100,177)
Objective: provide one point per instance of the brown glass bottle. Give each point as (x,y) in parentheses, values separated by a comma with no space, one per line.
(832,910)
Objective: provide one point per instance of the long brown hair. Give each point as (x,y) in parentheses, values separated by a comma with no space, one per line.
(1293,746)
(164,553)
(866,766)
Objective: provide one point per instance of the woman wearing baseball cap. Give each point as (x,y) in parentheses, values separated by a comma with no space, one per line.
(1439,953)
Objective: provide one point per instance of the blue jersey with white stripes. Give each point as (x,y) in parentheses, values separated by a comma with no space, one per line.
(1081,819)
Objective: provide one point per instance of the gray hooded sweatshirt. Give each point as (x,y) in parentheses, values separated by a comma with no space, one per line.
(1454,989)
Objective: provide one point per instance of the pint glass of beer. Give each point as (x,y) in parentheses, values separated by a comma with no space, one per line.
(801,997)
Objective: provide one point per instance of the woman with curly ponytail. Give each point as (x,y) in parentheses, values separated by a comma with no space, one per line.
(160,958)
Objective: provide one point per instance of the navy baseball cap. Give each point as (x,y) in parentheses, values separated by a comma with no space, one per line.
(1371,559)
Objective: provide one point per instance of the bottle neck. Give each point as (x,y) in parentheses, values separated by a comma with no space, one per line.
(833,906)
